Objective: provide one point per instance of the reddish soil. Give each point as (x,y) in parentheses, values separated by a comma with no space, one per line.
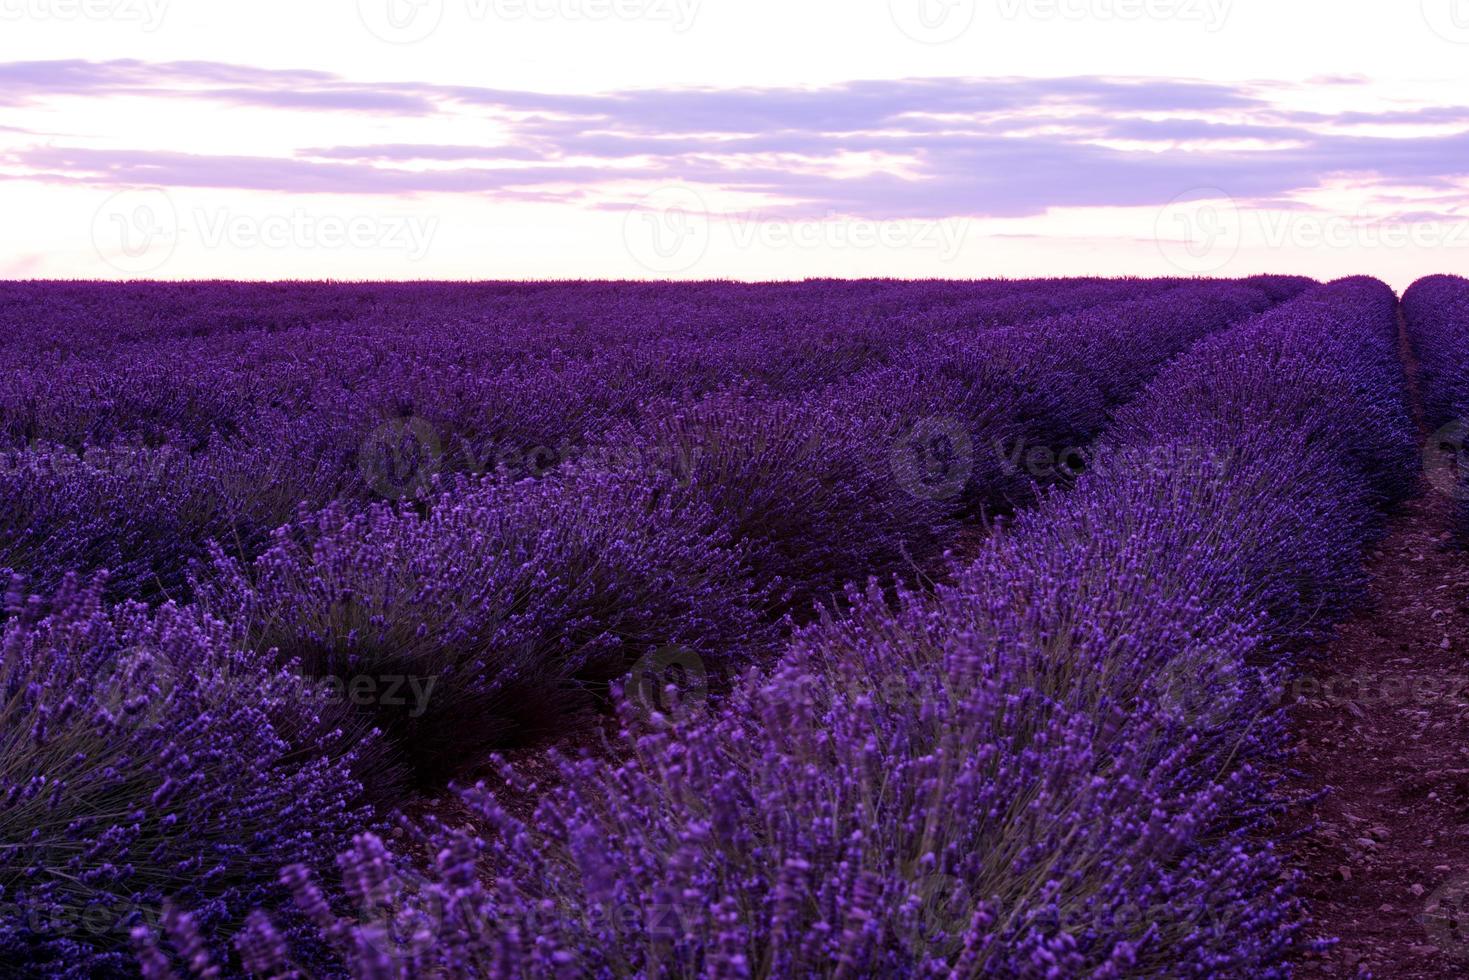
(1384,731)
(1381,733)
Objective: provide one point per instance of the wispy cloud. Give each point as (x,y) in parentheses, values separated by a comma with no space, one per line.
(986,147)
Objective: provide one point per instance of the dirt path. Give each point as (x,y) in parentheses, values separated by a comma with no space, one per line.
(1381,732)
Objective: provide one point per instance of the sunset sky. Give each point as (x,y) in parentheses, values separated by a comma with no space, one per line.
(751,139)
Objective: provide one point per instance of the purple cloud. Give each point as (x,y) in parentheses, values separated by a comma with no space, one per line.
(168,169)
(1005,147)
(411,151)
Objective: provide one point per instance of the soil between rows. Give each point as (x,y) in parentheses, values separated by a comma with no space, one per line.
(1385,739)
(1380,735)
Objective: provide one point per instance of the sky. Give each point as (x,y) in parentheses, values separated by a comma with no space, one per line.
(749,139)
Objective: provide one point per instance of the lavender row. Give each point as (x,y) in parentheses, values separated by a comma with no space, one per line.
(457,572)
(1437,313)
(147,756)
(89,319)
(159,363)
(1054,767)
(180,414)
(144,755)
(694,536)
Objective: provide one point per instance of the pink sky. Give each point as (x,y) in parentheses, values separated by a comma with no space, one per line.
(685,138)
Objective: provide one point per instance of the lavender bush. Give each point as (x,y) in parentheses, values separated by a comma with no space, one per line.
(141,757)
(220,408)
(702,527)
(804,490)
(1052,767)
(456,512)
(1030,399)
(1436,310)
(494,604)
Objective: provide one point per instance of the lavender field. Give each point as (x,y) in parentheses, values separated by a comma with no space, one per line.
(850,628)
